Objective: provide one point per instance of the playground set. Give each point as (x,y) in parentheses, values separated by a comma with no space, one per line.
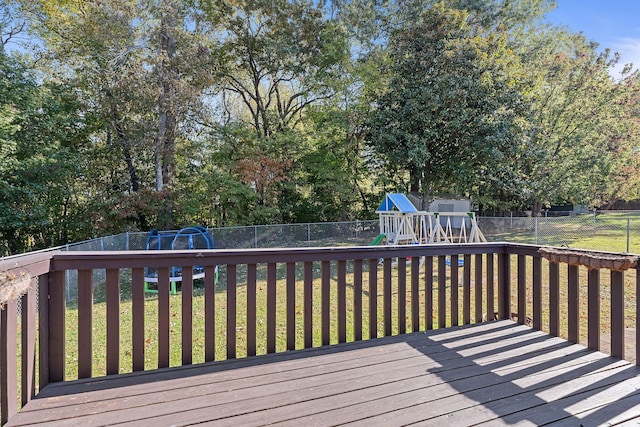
(401,223)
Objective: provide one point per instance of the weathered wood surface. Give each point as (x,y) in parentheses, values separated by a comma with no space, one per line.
(498,373)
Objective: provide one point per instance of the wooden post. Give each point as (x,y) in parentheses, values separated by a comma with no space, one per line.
(57,326)
(522,289)
(373,298)
(617,314)
(291,305)
(357,299)
(402,295)
(573,309)
(504,286)
(593,312)
(554,299)
(537,292)
(8,359)
(113,321)
(85,323)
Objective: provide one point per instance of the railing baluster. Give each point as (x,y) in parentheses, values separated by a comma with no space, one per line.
(573,299)
(386,302)
(402,295)
(138,315)
(415,294)
(29,343)
(522,289)
(85,323)
(187,315)
(251,309)
(209,313)
(342,301)
(442,291)
(271,306)
(537,293)
(43,331)
(504,286)
(490,287)
(455,283)
(113,320)
(617,314)
(466,290)
(357,299)
(428,292)
(232,311)
(554,299)
(593,309)
(326,302)
(57,326)
(478,288)
(637,322)
(8,362)
(308,304)
(373,298)
(163,317)
(291,306)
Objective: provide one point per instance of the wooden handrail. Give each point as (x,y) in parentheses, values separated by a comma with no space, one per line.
(330,295)
(19,317)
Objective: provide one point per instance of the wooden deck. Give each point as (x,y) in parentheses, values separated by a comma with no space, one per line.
(496,373)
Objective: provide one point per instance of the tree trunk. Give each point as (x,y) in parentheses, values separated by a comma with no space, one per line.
(165,146)
(536,208)
(414,179)
(426,188)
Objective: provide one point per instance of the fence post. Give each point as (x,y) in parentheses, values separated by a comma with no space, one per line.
(536,229)
(628,233)
(504,285)
(357,229)
(309,234)
(255,235)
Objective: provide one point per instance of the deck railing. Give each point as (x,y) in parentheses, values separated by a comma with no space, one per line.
(259,301)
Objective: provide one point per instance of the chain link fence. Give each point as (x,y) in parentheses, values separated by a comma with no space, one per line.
(356,233)
(604,231)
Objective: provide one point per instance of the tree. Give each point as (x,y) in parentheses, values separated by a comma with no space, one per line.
(42,135)
(142,71)
(280,57)
(571,148)
(452,104)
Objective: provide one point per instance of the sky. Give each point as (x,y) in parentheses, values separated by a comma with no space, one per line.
(614,24)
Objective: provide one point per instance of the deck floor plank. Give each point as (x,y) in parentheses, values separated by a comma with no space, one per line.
(497,373)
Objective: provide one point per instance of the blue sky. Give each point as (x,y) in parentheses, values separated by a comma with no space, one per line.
(612,23)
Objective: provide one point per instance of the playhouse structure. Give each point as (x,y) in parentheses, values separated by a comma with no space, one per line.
(403,224)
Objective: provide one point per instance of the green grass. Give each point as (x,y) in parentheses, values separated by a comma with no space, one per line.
(151,316)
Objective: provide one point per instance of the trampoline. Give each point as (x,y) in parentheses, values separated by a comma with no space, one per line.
(189,238)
